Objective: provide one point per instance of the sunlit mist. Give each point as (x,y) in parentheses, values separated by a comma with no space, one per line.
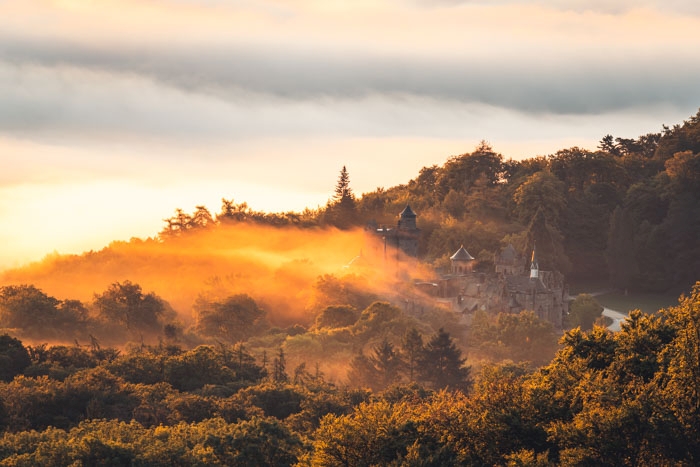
(276,266)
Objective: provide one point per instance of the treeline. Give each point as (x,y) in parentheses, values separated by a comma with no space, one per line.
(628,398)
(120,314)
(629,212)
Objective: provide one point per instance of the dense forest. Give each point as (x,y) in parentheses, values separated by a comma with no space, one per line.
(628,398)
(251,338)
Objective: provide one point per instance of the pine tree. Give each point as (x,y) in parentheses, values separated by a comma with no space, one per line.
(387,362)
(412,347)
(344,196)
(442,365)
(279,372)
(342,212)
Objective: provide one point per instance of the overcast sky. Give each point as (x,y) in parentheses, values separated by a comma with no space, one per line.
(115,112)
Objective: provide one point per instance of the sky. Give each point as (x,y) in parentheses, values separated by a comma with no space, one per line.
(113,113)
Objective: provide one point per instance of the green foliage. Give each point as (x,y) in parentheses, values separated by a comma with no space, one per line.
(337,316)
(629,398)
(124,304)
(196,368)
(275,400)
(376,433)
(583,311)
(14,358)
(620,254)
(442,365)
(519,337)
(541,191)
(213,442)
(38,315)
(412,348)
(379,370)
(653,178)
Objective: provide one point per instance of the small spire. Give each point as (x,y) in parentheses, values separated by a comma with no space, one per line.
(534,268)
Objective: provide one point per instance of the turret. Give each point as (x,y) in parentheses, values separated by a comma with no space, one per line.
(407,220)
(462,261)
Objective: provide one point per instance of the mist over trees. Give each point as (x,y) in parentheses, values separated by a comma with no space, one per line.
(627,212)
(281,362)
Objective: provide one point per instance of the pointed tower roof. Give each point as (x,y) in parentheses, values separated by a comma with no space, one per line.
(534,268)
(408,212)
(533,260)
(461,255)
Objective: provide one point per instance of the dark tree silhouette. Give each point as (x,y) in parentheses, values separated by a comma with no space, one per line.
(442,365)
(14,358)
(344,196)
(342,211)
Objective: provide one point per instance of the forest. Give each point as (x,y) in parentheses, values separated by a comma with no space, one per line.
(251,338)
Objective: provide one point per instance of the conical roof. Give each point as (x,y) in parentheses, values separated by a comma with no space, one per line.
(408,212)
(461,255)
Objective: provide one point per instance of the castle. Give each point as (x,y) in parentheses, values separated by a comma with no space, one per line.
(510,287)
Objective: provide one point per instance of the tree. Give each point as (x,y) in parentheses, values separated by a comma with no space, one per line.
(412,347)
(583,312)
(378,370)
(620,254)
(14,357)
(243,363)
(125,304)
(202,218)
(377,433)
(279,371)
(38,315)
(544,192)
(680,383)
(28,308)
(337,316)
(387,362)
(549,243)
(362,372)
(442,365)
(342,211)
(234,319)
(344,196)
(607,144)
(461,172)
(179,223)
(260,441)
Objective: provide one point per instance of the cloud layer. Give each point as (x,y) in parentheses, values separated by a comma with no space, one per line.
(247,70)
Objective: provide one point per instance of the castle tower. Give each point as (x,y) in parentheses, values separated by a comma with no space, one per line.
(407,219)
(407,233)
(462,261)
